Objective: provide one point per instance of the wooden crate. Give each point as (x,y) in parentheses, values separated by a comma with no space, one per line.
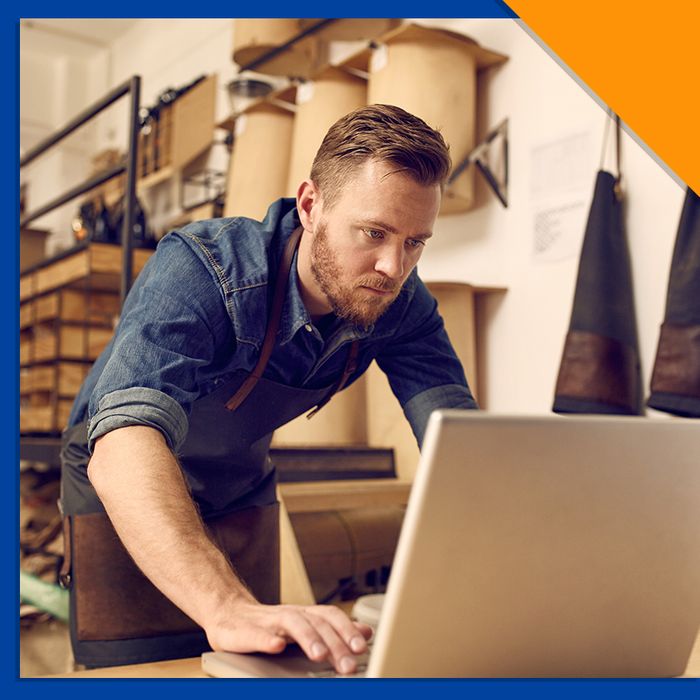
(32,247)
(27,284)
(63,378)
(25,380)
(36,419)
(98,263)
(45,419)
(69,342)
(95,308)
(26,314)
(25,347)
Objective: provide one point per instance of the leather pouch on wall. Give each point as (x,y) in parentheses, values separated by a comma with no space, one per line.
(114,600)
(675,382)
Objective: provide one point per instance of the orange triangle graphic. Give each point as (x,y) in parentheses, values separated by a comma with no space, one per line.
(642,60)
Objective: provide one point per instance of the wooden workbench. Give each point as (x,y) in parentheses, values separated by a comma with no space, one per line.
(191,668)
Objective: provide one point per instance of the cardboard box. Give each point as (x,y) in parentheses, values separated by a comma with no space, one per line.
(32,247)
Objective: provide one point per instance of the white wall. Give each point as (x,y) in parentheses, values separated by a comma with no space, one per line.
(170,53)
(493,246)
(59,77)
(489,245)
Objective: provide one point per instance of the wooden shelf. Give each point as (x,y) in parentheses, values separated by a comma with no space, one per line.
(315,496)
(98,263)
(155,178)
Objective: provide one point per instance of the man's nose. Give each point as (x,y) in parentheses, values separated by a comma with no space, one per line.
(391,262)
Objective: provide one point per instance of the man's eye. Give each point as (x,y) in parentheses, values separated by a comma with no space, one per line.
(374,235)
(415,243)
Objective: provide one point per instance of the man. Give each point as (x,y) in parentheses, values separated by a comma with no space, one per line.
(233,328)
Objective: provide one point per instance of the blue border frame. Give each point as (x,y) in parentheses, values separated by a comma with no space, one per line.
(10,410)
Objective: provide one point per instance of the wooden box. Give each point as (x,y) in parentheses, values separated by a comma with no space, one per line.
(48,418)
(25,347)
(95,308)
(63,378)
(71,342)
(27,285)
(98,263)
(26,314)
(32,246)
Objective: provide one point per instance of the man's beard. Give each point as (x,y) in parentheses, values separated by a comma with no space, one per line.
(349,302)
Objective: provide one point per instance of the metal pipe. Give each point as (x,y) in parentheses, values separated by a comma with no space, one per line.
(130,192)
(76,191)
(76,122)
(283,47)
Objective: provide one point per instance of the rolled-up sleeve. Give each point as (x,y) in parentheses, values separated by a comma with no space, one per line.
(171,327)
(421,365)
(139,406)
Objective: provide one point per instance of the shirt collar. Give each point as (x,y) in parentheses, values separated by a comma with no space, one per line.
(295,316)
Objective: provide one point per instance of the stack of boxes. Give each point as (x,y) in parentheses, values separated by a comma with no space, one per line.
(68,309)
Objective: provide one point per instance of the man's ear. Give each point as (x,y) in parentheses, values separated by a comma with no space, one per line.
(308,204)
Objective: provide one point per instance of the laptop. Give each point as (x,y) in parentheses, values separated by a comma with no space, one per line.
(555,546)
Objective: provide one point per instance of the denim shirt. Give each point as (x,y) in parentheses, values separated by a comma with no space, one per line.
(197,314)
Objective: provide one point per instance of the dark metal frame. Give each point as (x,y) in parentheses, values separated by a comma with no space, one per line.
(272,53)
(500,189)
(47,449)
(130,87)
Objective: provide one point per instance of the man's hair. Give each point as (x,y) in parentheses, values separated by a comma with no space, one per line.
(383,133)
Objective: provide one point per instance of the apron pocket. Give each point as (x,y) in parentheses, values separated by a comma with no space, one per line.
(113,600)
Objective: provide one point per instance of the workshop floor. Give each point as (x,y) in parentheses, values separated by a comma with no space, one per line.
(44,649)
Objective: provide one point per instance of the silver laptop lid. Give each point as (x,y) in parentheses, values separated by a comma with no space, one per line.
(547,546)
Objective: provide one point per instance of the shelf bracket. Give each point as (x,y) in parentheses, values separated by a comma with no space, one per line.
(478,156)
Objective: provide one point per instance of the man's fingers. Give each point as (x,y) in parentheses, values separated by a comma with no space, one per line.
(250,638)
(296,625)
(365,630)
(341,652)
(346,628)
(274,644)
(322,632)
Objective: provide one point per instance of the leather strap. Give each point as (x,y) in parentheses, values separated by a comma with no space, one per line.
(64,575)
(273,322)
(271,334)
(350,367)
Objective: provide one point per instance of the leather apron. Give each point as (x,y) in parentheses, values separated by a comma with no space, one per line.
(117,616)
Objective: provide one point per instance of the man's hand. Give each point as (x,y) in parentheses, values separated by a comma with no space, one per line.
(324,632)
(146,497)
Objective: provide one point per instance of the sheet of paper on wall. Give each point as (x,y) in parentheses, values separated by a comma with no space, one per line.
(562,172)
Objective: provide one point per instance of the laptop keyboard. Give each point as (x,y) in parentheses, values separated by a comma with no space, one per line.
(332,673)
(362,662)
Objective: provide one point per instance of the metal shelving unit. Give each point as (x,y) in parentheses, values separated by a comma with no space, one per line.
(47,449)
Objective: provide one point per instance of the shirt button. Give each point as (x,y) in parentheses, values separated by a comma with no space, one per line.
(308,327)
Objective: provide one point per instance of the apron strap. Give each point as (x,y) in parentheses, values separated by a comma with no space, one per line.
(271,333)
(64,575)
(273,323)
(350,367)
